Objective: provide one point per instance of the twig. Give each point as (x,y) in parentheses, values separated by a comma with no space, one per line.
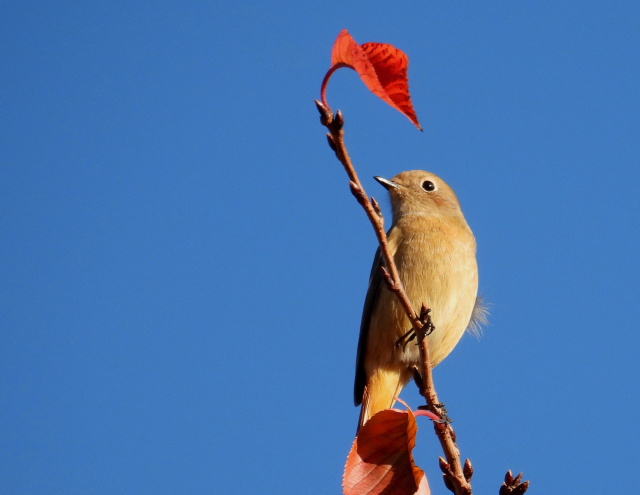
(371,207)
(513,486)
(456,478)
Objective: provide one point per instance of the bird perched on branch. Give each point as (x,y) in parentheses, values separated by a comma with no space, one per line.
(435,253)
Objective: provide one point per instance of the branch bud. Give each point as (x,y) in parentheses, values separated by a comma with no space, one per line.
(445,467)
(448,484)
(338,120)
(321,108)
(376,207)
(467,470)
(513,486)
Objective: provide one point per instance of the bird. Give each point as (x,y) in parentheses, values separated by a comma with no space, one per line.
(435,254)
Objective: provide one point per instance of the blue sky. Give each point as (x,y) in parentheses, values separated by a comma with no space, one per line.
(183,268)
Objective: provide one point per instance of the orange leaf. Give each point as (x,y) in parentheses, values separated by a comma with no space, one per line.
(380,460)
(382,67)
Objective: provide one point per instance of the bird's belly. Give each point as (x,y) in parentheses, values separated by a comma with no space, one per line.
(447,285)
(446,282)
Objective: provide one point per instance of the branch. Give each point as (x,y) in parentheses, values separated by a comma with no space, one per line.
(456,477)
(371,207)
(513,486)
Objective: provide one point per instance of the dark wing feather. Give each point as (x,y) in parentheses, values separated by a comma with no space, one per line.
(375,282)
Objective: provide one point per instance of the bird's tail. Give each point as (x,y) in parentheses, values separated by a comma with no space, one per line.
(380,392)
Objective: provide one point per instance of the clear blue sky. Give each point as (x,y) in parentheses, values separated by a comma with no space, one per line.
(183,268)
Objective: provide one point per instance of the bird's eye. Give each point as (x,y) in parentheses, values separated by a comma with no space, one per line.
(428,186)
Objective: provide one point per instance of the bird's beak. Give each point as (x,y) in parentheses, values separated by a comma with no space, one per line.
(386,183)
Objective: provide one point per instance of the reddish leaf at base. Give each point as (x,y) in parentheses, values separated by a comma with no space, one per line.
(382,67)
(380,461)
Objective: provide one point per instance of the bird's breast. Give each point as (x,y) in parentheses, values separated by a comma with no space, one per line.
(436,262)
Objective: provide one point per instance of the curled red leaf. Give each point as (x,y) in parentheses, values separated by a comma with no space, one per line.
(380,460)
(382,67)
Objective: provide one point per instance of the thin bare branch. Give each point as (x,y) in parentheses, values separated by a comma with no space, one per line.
(454,477)
(457,477)
(513,486)
(335,126)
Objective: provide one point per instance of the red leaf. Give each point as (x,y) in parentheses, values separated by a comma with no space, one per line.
(382,67)
(380,460)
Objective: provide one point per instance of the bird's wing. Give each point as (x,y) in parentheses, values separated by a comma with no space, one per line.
(375,282)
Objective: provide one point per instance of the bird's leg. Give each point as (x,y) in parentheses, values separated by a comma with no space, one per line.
(417,377)
(427,324)
(437,408)
(427,329)
(440,410)
(405,339)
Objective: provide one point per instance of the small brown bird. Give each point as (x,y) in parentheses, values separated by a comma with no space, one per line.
(435,253)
